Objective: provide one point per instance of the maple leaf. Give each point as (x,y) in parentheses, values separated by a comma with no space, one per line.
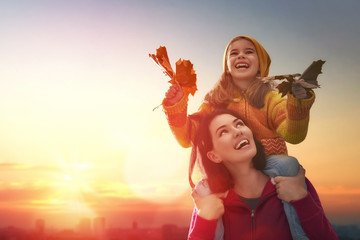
(311,73)
(185,76)
(298,84)
(284,88)
(162,59)
(278,77)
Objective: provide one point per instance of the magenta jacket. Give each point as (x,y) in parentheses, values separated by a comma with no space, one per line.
(268,221)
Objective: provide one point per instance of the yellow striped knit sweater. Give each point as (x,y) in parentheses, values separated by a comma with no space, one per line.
(278,121)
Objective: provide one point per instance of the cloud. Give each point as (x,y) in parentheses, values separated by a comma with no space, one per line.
(13,166)
(98,195)
(63,206)
(27,167)
(338,190)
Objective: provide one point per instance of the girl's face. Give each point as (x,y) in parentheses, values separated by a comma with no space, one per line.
(242,62)
(233,141)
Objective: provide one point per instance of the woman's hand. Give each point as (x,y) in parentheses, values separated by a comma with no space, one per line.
(291,188)
(209,207)
(174,94)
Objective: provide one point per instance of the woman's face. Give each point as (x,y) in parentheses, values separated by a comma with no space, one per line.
(232,140)
(242,62)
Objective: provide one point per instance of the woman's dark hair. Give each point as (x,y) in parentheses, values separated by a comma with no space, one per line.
(217,175)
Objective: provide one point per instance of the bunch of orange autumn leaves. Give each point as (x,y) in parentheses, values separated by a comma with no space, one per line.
(184,75)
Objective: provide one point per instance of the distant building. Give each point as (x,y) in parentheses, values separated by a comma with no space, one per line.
(173,232)
(84,226)
(39,233)
(135,225)
(69,235)
(40,226)
(13,233)
(99,227)
(347,232)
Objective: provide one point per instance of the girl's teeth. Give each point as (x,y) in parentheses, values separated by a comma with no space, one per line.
(242,65)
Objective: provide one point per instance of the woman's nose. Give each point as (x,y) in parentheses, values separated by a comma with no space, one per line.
(237,132)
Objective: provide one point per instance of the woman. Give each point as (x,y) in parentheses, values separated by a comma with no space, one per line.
(245,198)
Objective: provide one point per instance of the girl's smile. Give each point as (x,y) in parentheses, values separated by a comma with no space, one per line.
(242,62)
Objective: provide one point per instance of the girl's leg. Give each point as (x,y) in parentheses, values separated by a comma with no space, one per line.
(282,165)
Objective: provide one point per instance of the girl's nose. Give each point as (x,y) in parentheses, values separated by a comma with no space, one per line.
(240,55)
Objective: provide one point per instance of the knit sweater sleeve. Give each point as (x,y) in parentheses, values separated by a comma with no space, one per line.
(200,228)
(182,125)
(289,117)
(312,216)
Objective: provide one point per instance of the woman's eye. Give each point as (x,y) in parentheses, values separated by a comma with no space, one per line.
(223,132)
(239,124)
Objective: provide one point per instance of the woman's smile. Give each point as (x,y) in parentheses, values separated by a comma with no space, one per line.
(233,141)
(242,144)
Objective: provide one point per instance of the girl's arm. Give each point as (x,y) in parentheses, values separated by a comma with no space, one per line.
(289,117)
(183,126)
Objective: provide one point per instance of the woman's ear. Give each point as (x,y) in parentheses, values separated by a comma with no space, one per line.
(213,157)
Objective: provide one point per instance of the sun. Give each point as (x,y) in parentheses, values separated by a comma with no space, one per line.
(154,173)
(73,180)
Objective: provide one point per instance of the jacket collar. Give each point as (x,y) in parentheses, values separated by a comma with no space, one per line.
(232,197)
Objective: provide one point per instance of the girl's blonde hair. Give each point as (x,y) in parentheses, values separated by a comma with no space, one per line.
(225,89)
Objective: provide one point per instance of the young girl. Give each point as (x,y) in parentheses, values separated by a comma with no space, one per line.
(248,203)
(272,118)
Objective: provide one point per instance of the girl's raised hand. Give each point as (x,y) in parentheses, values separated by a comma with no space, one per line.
(209,207)
(291,188)
(174,94)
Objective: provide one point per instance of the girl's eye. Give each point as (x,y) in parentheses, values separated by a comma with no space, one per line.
(233,53)
(249,52)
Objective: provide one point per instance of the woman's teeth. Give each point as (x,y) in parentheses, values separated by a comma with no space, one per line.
(242,65)
(242,144)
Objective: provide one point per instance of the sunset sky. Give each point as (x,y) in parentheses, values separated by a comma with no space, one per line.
(78,137)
